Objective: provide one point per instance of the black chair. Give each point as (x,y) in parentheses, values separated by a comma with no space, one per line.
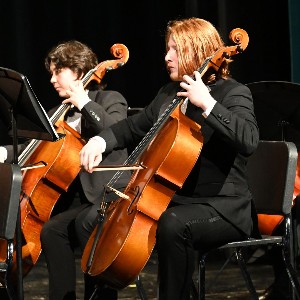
(10,188)
(271,172)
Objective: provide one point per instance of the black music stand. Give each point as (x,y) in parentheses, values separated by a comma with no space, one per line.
(277,110)
(24,115)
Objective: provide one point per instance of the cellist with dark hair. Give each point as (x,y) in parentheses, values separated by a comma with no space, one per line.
(74,214)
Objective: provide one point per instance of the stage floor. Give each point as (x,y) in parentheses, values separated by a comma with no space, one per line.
(228,284)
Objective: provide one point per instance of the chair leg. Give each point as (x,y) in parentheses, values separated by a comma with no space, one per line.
(5,271)
(201,280)
(288,257)
(294,280)
(140,288)
(291,273)
(194,292)
(220,271)
(94,293)
(245,273)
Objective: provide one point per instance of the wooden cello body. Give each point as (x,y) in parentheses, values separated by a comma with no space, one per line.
(128,235)
(121,245)
(42,187)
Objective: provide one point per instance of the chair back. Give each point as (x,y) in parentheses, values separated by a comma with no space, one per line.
(271,175)
(10,188)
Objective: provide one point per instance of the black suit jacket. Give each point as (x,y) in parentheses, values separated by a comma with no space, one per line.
(230,135)
(107,108)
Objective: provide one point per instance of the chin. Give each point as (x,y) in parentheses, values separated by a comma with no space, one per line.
(63,94)
(174,76)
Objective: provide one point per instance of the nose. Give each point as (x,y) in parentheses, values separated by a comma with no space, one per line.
(53,78)
(167,56)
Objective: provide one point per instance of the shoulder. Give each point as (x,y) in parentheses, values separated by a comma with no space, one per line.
(226,84)
(106,95)
(170,87)
(166,91)
(229,86)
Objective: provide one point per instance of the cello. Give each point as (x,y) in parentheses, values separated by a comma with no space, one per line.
(42,187)
(123,240)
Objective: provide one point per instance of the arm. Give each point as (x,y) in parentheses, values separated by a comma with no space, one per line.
(231,116)
(125,132)
(234,119)
(107,108)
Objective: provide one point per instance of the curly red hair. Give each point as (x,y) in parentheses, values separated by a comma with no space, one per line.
(196,39)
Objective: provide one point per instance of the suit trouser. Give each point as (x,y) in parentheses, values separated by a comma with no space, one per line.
(59,239)
(60,236)
(181,230)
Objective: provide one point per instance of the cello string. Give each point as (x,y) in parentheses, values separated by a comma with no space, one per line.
(147,139)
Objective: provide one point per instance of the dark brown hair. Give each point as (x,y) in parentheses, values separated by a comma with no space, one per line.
(73,55)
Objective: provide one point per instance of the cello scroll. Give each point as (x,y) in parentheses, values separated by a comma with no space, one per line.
(119,51)
(240,38)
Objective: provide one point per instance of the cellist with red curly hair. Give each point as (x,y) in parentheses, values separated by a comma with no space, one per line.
(214,205)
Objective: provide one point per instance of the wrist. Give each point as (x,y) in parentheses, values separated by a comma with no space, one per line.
(100,141)
(83,102)
(209,107)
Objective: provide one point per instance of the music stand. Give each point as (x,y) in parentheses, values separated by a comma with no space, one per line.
(20,110)
(277,110)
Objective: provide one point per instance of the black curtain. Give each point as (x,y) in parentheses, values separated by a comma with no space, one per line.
(294,22)
(28,29)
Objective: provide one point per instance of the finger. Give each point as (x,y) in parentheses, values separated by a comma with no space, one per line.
(81,156)
(198,78)
(185,78)
(91,163)
(182,94)
(197,75)
(97,160)
(184,85)
(84,158)
(188,79)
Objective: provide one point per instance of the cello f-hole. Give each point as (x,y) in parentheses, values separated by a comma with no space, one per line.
(136,194)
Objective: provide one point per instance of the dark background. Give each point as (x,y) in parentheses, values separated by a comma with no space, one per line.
(30,28)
